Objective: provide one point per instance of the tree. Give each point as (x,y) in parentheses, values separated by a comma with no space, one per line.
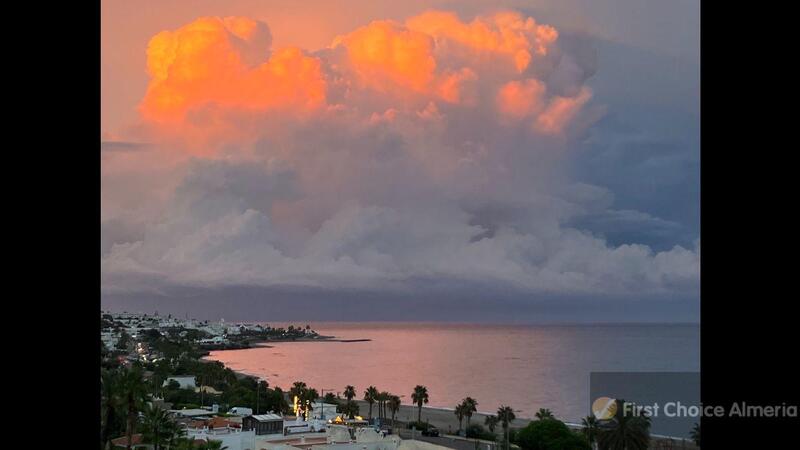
(625,431)
(133,393)
(419,397)
(695,434)
(157,427)
(330,398)
(370,396)
(550,434)
(491,422)
(298,388)
(544,413)
(470,406)
(350,409)
(311,395)
(123,341)
(590,429)
(383,397)
(109,405)
(349,392)
(394,405)
(506,416)
(476,431)
(308,397)
(459,412)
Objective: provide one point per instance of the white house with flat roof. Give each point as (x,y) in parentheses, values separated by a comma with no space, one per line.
(231,438)
(323,411)
(185,381)
(191,412)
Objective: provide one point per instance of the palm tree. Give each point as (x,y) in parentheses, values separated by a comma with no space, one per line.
(379,400)
(109,404)
(695,434)
(459,412)
(383,397)
(311,395)
(625,431)
(419,397)
(298,388)
(157,427)
(370,396)
(349,392)
(491,422)
(308,397)
(506,415)
(544,413)
(350,409)
(590,429)
(394,405)
(470,406)
(133,392)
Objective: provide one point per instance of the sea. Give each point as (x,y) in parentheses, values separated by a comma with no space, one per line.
(524,366)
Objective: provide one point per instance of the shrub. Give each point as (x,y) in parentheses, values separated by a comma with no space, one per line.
(422,426)
(550,434)
(476,431)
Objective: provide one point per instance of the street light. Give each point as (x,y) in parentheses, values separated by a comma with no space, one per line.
(322,403)
(258,396)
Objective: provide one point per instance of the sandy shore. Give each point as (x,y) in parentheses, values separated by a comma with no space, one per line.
(446,421)
(441,418)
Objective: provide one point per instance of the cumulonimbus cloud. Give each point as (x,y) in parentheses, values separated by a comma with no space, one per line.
(432,148)
(206,75)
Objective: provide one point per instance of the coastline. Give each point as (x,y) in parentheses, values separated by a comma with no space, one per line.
(442,418)
(266,343)
(445,420)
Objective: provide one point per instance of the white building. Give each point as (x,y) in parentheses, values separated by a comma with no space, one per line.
(185,381)
(109,339)
(232,438)
(191,413)
(323,411)
(337,437)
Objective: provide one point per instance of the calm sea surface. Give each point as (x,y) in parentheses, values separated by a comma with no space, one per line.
(525,366)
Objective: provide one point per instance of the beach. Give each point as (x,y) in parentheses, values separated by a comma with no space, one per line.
(446,421)
(442,418)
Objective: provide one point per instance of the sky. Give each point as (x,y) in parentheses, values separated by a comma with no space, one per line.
(364,160)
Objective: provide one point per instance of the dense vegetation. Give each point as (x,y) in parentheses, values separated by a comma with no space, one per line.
(132,390)
(550,434)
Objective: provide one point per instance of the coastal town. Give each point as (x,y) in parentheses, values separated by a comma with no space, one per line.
(116,329)
(158,392)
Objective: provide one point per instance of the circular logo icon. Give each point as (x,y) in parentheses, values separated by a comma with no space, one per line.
(604,408)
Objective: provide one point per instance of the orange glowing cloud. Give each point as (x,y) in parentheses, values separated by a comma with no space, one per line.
(518,99)
(560,111)
(385,51)
(216,80)
(506,33)
(391,58)
(211,61)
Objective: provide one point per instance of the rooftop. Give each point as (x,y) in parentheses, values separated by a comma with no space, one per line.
(267,417)
(191,412)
